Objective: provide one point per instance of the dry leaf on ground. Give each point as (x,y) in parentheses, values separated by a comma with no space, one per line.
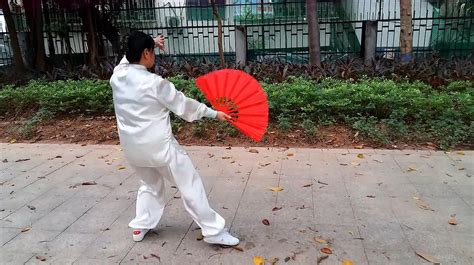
(422,205)
(276,209)
(199,237)
(460,153)
(410,169)
(453,221)
(360,156)
(290,154)
(89,183)
(254,151)
(238,248)
(276,189)
(326,250)
(26,229)
(265,222)
(121,168)
(427,257)
(257,260)
(346,262)
(307,185)
(320,240)
(40,258)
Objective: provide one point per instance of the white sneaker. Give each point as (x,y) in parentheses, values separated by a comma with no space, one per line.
(139,234)
(224,238)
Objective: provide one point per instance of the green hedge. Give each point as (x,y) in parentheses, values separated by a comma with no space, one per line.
(382,109)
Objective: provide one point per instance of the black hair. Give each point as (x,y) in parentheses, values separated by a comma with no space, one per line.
(137,42)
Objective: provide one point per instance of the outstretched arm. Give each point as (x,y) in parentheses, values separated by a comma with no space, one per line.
(186,108)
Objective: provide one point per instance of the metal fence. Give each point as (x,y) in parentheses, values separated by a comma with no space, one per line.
(273,29)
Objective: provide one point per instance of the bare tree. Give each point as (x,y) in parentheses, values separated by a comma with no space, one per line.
(219,33)
(313,32)
(34,19)
(406,31)
(19,65)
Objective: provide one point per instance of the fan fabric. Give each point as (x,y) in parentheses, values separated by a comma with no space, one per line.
(240,96)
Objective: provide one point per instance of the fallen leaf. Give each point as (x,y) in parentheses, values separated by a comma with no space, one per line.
(355,164)
(461,153)
(359,147)
(276,209)
(238,248)
(410,169)
(82,165)
(22,160)
(320,240)
(343,164)
(210,155)
(89,183)
(26,229)
(360,156)
(199,237)
(274,261)
(229,148)
(376,160)
(226,157)
(121,168)
(274,172)
(422,205)
(257,260)
(31,207)
(287,259)
(156,256)
(427,257)
(347,262)
(326,250)
(40,258)
(307,185)
(5,160)
(463,168)
(323,257)
(264,165)
(290,154)
(322,183)
(276,189)
(265,222)
(453,221)
(254,151)
(370,196)
(13,141)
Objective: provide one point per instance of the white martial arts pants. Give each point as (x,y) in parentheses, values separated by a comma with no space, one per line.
(151,194)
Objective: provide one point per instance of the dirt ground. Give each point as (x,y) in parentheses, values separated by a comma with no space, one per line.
(103,130)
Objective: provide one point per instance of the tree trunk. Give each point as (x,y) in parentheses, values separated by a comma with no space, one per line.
(34,19)
(219,33)
(19,65)
(313,32)
(92,43)
(47,21)
(406,31)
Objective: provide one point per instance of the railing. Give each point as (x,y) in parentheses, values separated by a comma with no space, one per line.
(273,29)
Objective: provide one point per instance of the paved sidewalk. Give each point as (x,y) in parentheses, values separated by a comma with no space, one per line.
(371,206)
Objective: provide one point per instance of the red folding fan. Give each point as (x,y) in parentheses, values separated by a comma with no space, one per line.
(240,96)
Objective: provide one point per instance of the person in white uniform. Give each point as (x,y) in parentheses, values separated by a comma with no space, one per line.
(142,102)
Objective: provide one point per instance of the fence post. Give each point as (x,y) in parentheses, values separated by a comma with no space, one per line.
(240,45)
(369,41)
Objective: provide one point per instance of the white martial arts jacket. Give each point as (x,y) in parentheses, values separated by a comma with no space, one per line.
(142,102)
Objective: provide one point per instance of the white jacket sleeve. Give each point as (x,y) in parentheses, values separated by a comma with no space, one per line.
(186,108)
